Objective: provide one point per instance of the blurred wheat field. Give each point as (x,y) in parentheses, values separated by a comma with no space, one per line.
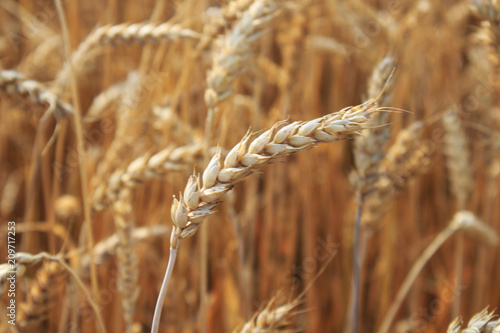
(103,123)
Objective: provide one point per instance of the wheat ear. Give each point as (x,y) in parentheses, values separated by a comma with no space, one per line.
(482,322)
(23,258)
(489,33)
(15,86)
(458,160)
(189,211)
(124,33)
(35,308)
(217,18)
(268,319)
(233,51)
(127,255)
(107,248)
(200,200)
(369,149)
(146,167)
(406,157)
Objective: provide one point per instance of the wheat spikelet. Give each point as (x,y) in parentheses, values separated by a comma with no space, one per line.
(127,256)
(199,201)
(457,158)
(14,85)
(35,309)
(124,33)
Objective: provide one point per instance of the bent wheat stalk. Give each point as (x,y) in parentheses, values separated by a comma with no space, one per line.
(463,220)
(200,200)
(24,258)
(460,174)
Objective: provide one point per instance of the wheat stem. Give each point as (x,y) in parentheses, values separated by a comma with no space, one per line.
(81,150)
(412,275)
(357,263)
(163,291)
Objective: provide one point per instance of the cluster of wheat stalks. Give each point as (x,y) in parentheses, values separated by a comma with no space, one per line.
(309,165)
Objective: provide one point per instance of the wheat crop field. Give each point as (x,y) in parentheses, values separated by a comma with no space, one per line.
(249,166)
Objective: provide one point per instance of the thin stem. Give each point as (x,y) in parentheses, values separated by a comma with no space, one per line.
(459,269)
(459,263)
(203,277)
(80,149)
(163,291)
(356,265)
(412,275)
(244,283)
(204,234)
(80,283)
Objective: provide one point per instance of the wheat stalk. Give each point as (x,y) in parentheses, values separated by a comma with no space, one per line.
(233,51)
(369,150)
(460,176)
(462,220)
